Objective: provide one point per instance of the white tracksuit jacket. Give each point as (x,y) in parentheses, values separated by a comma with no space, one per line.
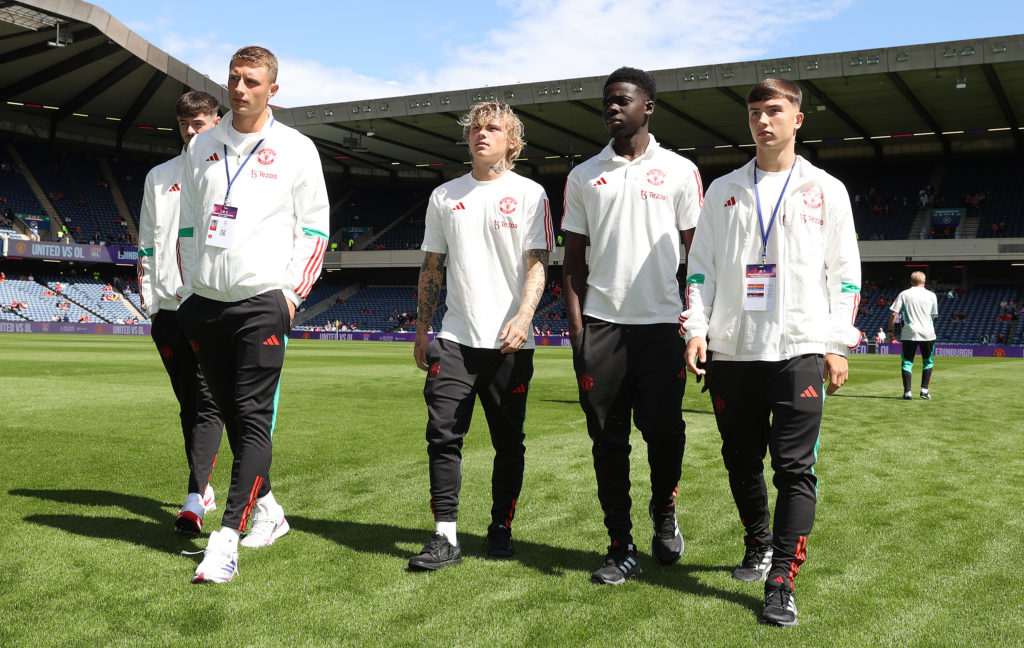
(818,272)
(159,277)
(280,233)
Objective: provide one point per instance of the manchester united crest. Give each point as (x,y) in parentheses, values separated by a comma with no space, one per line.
(656,177)
(266,156)
(812,197)
(507,205)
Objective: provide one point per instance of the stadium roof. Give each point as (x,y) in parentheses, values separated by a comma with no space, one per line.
(72,72)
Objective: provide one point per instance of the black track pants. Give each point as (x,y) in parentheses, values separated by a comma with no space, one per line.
(457,375)
(240,347)
(638,370)
(201,423)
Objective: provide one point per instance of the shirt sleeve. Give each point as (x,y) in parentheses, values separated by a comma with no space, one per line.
(147,258)
(312,222)
(897,303)
(842,272)
(539,231)
(188,219)
(574,218)
(690,201)
(701,278)
(433,235)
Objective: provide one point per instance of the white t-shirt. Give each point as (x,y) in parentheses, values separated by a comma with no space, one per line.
(917,305)
(760,332)
(633,211)
(486,228)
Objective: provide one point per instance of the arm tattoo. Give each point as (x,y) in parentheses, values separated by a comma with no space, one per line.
(429,289)
(533,289)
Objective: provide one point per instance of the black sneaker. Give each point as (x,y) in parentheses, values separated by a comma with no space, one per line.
(779,607)
(621,563)
(906,396)
(499,542)
(756,562)
(926,395)
(436,554)
(667,544)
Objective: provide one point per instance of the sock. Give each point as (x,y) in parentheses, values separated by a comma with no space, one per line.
(227,532)
(924,390)
(906,393)
(267,500)
(447,529)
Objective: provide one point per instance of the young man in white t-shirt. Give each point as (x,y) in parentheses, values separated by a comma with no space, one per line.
(492,228)
(919,308)
(632,200)
(772,289)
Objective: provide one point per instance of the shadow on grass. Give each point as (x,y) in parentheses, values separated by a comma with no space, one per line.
(388,539)
(154,533)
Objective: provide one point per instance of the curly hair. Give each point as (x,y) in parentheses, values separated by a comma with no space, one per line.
(496,111)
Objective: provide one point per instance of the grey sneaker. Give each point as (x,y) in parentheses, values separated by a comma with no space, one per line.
(756,562)
(779,607)
(437,553)
(621,563)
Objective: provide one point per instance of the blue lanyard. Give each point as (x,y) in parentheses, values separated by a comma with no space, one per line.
(227,171)
(760,219)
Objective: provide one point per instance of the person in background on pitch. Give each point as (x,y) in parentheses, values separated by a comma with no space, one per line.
(919,308)
(201,422)
(253,231)
(632,200)
(774,282)
(492,227)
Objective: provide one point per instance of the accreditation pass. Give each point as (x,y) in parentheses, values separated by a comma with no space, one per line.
(759,287)
(222,226)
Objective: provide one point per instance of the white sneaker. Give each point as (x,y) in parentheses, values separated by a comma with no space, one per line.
(190,516)
(220,562)
(268,524)
(209,501)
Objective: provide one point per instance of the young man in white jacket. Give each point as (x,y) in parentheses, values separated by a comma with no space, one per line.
(773,283)
(159,278)
(253,231)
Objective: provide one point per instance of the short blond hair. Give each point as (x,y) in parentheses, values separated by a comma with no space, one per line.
(488,111)
(257,56)
(917,278)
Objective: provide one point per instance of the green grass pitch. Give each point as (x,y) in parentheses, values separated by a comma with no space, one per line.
(917,542)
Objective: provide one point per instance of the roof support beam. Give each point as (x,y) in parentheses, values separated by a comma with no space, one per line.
(841,114)
(56,71)
(100,86)
(128,119)
(83,34)
(1004,103)
(912,99)
(697,123)
(395,143)
(560,129)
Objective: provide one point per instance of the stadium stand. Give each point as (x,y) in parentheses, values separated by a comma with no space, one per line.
(378,308)
(76,187)
(94,295)
(42,304)
(15,194)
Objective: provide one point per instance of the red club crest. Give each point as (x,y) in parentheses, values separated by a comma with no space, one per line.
(719,403)
(507,205)
(434,370)
(166,352)
(586,383)
(812,198)
(656,177)
(266,156)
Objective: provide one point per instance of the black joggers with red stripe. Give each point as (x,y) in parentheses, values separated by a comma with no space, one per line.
(626,371)
(456,376)
(771,407)
(240,347)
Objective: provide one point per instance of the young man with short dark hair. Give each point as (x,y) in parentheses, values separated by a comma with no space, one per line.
(253,231)
(633,199)
(201,423)
(492,228)
(773,282)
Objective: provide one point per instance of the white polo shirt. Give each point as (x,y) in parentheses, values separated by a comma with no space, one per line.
(486,228)
(918,306)
(633,211)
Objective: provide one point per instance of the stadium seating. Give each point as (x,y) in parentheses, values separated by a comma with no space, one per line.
(89,293)
(377,308)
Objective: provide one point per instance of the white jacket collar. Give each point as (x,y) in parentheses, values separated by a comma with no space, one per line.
(804,173)
(608,153)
